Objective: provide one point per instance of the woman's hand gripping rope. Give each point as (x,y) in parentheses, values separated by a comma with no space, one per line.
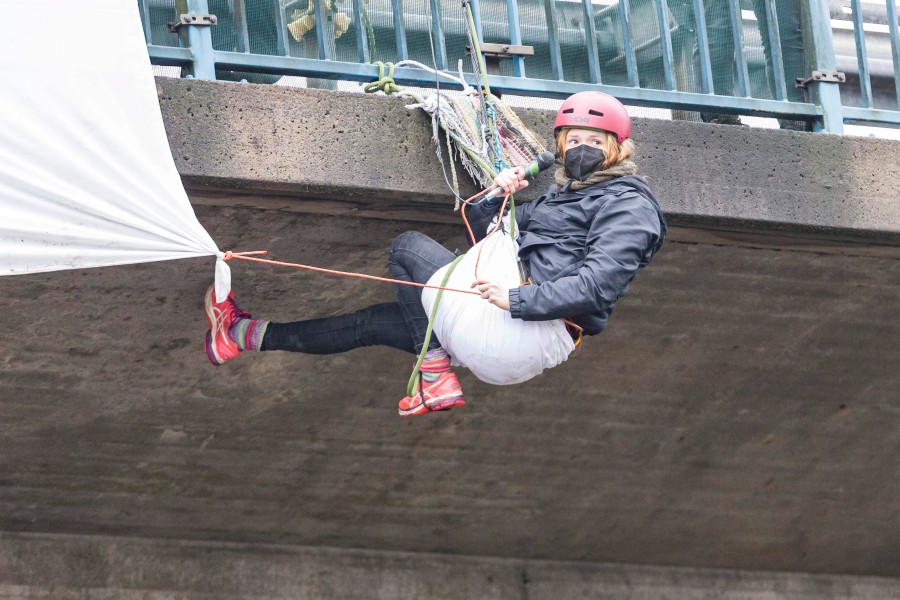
(493,292)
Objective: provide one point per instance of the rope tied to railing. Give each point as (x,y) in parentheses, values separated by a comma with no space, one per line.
(385,82)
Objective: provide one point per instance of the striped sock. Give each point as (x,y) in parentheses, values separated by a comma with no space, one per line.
(436,361)
(248,333)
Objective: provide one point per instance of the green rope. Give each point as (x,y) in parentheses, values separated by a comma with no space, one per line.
(411,386)
(476,48)
(486,95)
(414,376)
(385,83)
(512,218)
(370,33)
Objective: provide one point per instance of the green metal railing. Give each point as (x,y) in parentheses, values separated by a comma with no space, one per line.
(715,57)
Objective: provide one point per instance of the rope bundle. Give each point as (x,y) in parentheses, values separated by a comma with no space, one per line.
(482,145)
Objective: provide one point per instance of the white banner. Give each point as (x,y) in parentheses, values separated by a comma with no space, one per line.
(86,175)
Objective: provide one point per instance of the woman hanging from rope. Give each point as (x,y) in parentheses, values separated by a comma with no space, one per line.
(581,244)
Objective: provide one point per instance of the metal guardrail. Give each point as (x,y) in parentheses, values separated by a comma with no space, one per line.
(656,53)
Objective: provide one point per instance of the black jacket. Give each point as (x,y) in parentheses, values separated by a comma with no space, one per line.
(582,249)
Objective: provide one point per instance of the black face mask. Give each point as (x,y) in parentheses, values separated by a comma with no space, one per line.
(583,160)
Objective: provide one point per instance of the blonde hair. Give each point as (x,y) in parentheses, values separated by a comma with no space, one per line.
(615,153)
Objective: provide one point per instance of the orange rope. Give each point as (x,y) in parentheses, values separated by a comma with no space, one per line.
(468,201)
(492,232)
(247,256)
(579,335)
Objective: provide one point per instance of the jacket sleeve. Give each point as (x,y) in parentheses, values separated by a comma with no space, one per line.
(616,244)
(481,216)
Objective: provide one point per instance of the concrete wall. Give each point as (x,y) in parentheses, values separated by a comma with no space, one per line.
(362,150)
(39,566)
(740,413)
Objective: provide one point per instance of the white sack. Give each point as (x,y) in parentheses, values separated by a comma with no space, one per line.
(484,338)
(86,175)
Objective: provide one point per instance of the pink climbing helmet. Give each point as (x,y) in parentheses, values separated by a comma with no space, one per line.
(594,110)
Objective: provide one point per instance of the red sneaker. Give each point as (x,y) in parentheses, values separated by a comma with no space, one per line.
(442,394)
(219,346)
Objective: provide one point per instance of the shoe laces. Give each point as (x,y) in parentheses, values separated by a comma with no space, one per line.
(237,313)
(228,313)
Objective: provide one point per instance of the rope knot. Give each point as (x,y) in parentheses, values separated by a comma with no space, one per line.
(228,255)
(385,82)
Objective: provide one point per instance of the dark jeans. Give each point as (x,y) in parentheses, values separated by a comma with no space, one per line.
(413,257)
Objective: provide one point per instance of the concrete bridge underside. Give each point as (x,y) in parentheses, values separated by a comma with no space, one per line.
(736,430)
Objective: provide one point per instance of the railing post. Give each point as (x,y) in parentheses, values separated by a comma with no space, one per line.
(706,78)
(627,45)
(437,36)
(590,40)
(775,49)
(362,32)
(476,15)
(743,75)
(895,44)
(515,35)
(665,43)
(820,57)
(862,56)
(281,30)
(199,39)
(399,30)
(553,39)
(242,33)
(324,31)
